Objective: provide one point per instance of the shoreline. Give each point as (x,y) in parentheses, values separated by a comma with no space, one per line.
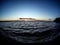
(26,21)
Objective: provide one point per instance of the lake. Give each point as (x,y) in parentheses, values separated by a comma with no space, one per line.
(30,31)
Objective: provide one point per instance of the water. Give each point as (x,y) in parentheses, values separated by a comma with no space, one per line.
(30,32)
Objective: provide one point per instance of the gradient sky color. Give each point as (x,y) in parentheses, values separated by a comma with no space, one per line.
(42,9)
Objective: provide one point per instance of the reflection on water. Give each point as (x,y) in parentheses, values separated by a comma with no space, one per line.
(30,32)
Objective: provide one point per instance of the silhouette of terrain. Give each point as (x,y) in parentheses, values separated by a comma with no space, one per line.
(57,19)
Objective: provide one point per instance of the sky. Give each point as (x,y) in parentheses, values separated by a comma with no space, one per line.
(39,9)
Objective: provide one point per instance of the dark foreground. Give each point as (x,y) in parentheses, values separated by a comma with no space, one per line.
(8,41)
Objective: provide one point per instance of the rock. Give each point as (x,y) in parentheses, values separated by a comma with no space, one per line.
(57,19)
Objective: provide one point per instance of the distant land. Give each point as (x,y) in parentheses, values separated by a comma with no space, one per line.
(23,19)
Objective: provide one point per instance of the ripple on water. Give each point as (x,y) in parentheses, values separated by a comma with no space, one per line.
(30,32)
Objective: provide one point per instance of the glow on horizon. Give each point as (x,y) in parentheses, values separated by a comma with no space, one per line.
(2,19)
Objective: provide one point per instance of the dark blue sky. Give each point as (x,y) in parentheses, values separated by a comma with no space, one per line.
(42,9)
